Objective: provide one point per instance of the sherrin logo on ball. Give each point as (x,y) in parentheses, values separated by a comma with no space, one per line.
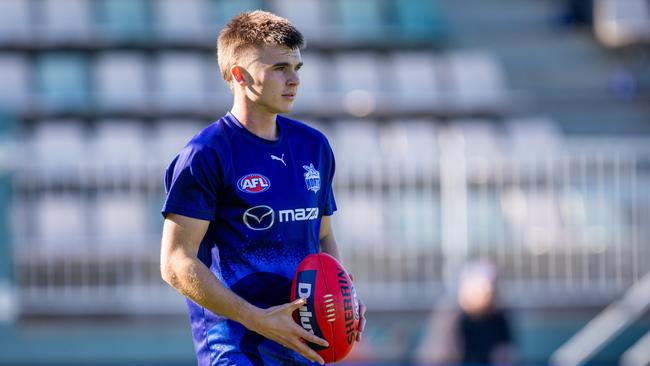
(253,183)
(331,310)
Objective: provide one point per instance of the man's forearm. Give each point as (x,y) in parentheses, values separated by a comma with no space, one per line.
(193,279)
(328,245)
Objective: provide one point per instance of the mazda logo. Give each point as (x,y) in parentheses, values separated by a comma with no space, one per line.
(259,217)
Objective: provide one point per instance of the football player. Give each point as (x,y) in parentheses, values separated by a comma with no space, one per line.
(247,199)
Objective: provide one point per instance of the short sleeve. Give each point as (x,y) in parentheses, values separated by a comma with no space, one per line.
(329,206)
(191,183)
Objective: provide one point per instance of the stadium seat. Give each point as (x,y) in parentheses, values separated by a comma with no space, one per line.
(416,80)
(120,153)
(65,20)
(182,81)
(478,81)
(125,19)
(122,222)
(358,70)
(15,22)
(181,20)
(59,151)
(359,20)
(14,78)
(412,140)
(120,146)
(419,20)
(310,16)
(223,10)
(356,141)
(359,219)
(358,78)
(121,81)
(170,136)
(63,81)
(60,227)
(218,94)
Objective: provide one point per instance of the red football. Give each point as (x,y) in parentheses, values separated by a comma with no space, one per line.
(332,309)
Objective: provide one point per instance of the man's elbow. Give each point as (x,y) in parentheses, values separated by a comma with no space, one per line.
(169,272)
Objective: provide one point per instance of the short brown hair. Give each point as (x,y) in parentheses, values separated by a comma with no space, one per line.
(254,29)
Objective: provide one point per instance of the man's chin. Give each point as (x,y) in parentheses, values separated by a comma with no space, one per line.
(286,109)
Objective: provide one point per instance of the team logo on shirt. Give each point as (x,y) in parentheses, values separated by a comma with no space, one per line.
(253,183)
(312,178)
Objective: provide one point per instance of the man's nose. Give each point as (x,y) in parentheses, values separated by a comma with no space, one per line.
(294,79)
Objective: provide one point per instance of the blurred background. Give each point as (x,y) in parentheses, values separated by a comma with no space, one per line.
(512,133)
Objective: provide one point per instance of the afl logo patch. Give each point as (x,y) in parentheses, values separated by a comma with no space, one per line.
(253,183)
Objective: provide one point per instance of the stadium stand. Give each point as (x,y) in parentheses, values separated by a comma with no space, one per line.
(461,128)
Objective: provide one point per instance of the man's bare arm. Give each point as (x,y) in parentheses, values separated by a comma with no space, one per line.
(181,268)
(328,245)
(327,241)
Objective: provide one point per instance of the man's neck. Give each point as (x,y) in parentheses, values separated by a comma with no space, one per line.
(259,123)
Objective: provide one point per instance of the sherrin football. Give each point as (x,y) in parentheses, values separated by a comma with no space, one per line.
(331,311)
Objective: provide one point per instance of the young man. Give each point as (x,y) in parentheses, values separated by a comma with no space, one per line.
(247,199)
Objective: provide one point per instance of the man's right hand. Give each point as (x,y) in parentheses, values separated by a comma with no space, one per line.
(277,324)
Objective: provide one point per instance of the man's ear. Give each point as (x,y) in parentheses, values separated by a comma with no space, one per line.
(237,73)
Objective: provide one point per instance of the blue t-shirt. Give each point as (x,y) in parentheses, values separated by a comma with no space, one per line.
(264,200)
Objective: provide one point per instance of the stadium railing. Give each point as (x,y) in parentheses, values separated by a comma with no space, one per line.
(563,218)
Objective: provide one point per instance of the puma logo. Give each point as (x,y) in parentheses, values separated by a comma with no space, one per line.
(273,157)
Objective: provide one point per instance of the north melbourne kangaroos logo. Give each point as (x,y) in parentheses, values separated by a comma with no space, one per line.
(312,178)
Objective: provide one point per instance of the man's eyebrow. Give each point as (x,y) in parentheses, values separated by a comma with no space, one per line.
(286,64)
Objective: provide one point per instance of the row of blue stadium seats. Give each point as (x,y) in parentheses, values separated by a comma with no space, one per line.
(190,20)
(360,82)
(56,147)
(107,224)
(401,155)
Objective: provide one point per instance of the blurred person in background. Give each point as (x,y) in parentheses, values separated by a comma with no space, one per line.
(484,330)
(247,199)
(478,332)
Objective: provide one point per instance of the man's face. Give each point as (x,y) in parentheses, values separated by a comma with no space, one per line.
(273,78)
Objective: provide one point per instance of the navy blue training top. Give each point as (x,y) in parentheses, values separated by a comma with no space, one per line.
(264,200)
